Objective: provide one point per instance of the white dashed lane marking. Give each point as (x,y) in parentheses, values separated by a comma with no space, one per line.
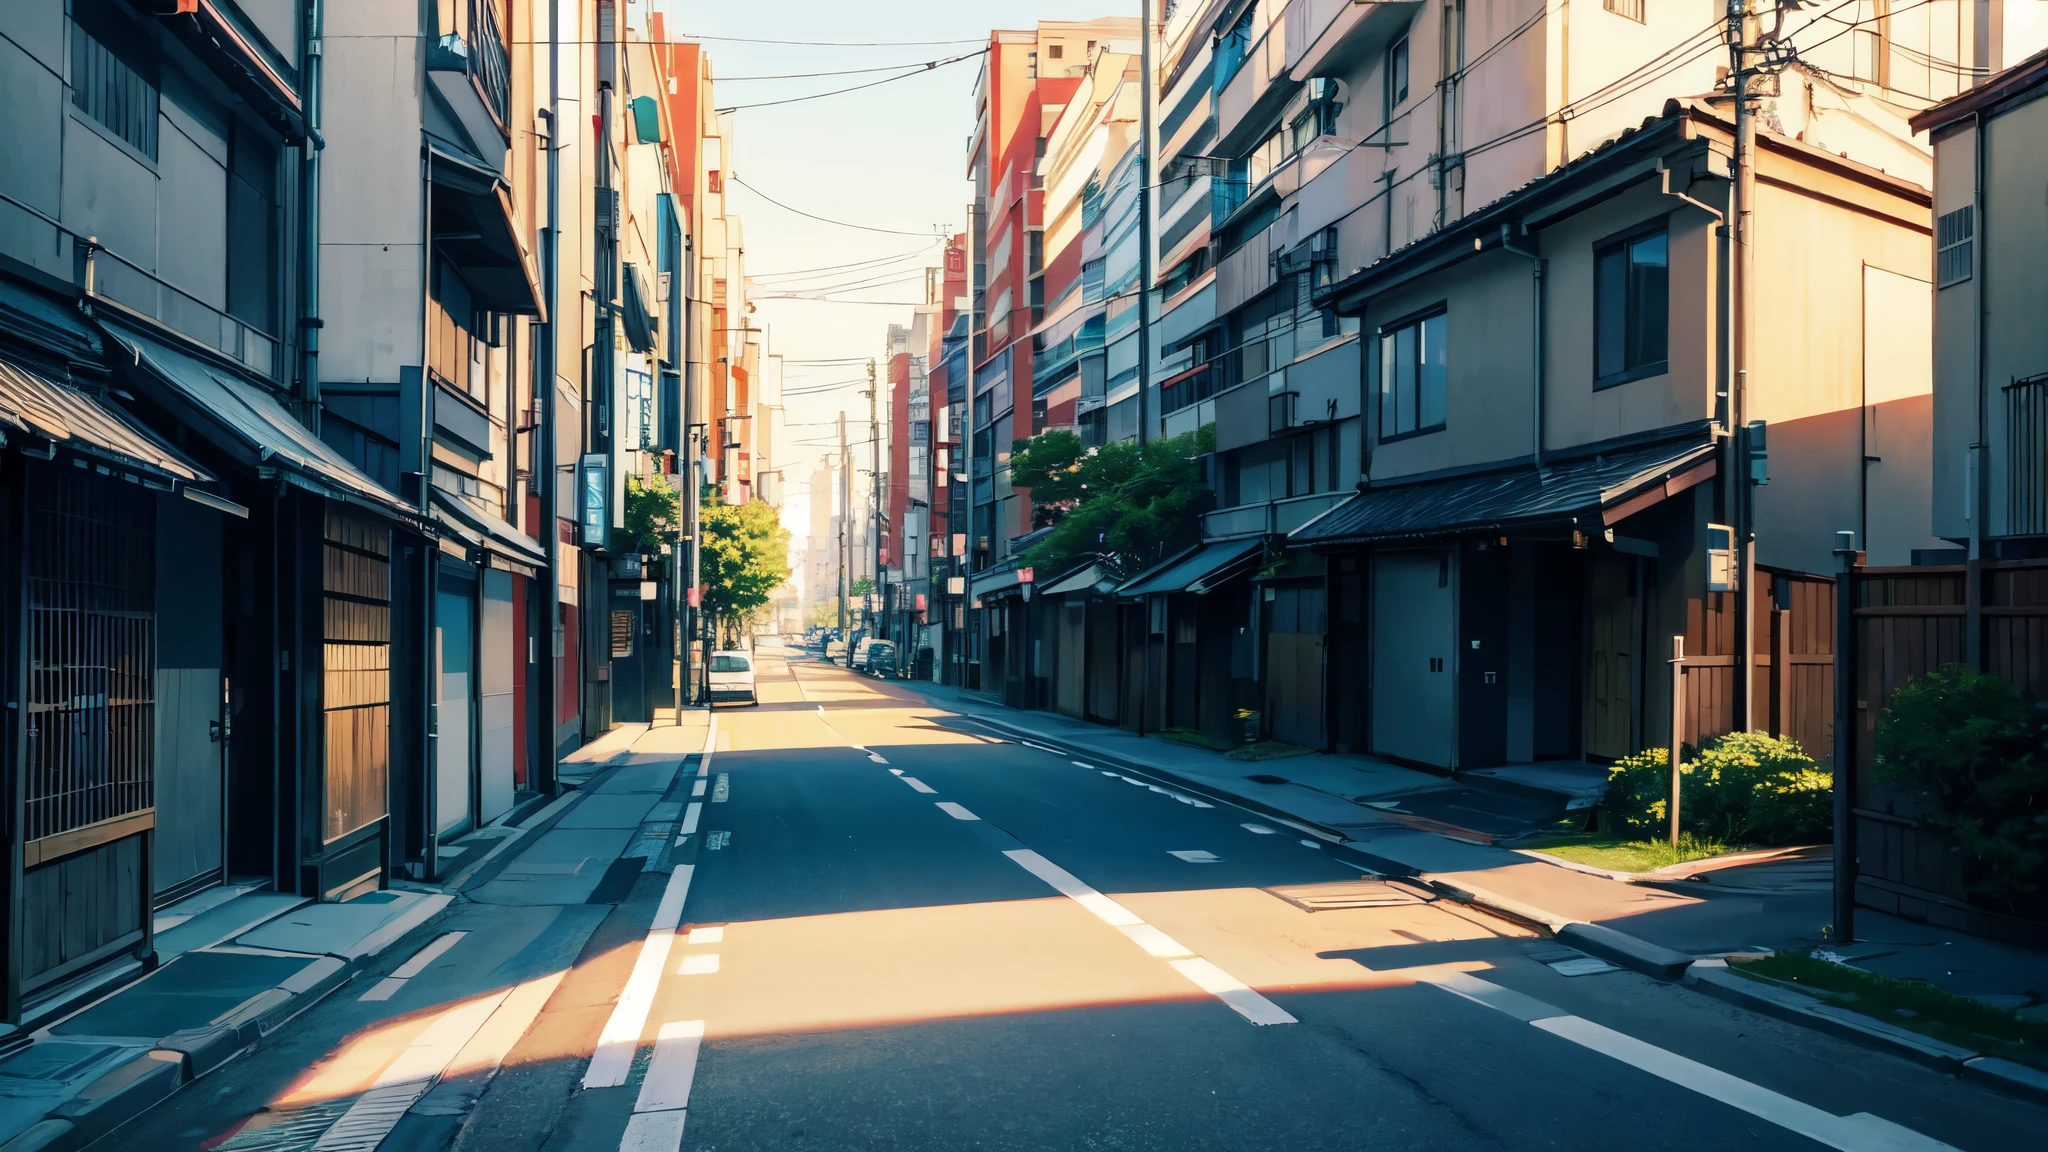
(917,784)
(1260,829)
(698,964)
(956,811)
(1196,856)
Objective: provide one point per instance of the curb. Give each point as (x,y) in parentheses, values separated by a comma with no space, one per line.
(1626,950)
(1794,1007)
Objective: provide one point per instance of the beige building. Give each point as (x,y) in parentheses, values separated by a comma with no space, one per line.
(1547,454)
(1990,352)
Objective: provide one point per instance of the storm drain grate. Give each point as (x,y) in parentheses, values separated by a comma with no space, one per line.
(1366,892)
(287,1129)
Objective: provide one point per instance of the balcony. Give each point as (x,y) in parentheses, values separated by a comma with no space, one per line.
(470,69)
(1273,518)
(1256,91)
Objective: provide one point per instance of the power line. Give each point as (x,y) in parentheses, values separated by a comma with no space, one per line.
(692,36)
(821,219)
(801,272)
(814,75)
(917,70)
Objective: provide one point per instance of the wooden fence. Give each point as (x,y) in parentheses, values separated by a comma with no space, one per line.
(1906,622)
(1794,678)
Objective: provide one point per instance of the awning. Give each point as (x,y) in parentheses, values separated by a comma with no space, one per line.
(474,230)
(41,407)
(1087,578)
(505,546)
(1200,569)
(50,330)
(1589,493)
(994,583)
(251,423)
(639,319)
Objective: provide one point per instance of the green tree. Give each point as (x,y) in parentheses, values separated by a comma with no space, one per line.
(862,585)
(653,516)
(1127,506)
(745,558)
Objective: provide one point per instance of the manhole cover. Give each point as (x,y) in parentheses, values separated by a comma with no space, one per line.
(1367,892)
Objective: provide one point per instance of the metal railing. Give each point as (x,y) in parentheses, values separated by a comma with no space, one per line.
(488,61)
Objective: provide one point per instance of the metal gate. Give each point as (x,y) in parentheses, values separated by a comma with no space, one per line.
(89,586)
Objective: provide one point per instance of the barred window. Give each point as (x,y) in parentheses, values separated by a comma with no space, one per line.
(1955,235)
(1632,9)
(113,73)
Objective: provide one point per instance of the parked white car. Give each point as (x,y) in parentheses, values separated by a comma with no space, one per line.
(732,677)
(860,653)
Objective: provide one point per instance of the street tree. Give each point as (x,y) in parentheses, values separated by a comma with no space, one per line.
(1126,506)
(745,559)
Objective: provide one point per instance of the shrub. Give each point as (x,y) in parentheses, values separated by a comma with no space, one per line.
(1968,751)
(1743,788)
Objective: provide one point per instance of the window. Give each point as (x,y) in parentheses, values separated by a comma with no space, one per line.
(724,663)
(255,223)
(1397,75)
(113,73)
(1631,9)
(1631,308)
(1055,51)
(1955,235)
(1412,376)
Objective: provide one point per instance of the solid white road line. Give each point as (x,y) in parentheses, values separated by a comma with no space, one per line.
(663,1106)
(956,811)
(1078,764)
(1859,1132)
(917,784)
(698,964)
(388,986)
(691,815)
(616,1045)
(673,1069)
(1040,747)
(1204,975)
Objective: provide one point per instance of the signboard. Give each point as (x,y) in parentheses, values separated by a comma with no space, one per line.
(596,491)
(1720,558)
(956,585)
(647,589)
(696,598)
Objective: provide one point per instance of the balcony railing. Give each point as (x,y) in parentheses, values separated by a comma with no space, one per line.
(1274,517)
(476,45)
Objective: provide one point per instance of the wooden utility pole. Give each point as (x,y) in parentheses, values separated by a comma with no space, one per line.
(1742,33)
(845,511)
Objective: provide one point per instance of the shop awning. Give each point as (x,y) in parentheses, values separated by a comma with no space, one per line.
(1200,569)
(995,583)
(474,229)
(52,331)
(36,406)
(502,544)
(249,422)
(1086,578)
(1589,493)
(636,312)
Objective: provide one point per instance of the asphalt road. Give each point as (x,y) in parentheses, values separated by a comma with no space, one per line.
(899,932)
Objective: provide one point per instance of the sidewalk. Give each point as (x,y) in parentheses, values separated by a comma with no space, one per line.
(237,964)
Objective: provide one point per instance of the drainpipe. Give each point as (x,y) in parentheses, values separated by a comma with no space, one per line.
(309,223)
(1537,292)
(1979,478)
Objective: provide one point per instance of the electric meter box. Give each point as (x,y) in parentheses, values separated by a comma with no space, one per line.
(1721,575)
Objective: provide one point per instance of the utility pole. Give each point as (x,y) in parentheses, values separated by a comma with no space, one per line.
(1742,30)
(546,449)
(845,513)
(875,491)
(1145,148)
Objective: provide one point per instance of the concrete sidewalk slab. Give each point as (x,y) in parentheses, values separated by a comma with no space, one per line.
(245,912)
(601,810)
(334,929)
(196,989)
(653,776)
(564,866)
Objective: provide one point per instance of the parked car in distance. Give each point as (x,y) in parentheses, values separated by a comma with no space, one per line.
(732,677)
(835,651)
(881,659)
(860,653)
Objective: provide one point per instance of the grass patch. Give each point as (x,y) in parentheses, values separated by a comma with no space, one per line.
(1619,854)
(1197,739)
(1268,750)
(1910,1004)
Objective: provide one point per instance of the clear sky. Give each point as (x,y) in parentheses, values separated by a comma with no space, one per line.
(892,156)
